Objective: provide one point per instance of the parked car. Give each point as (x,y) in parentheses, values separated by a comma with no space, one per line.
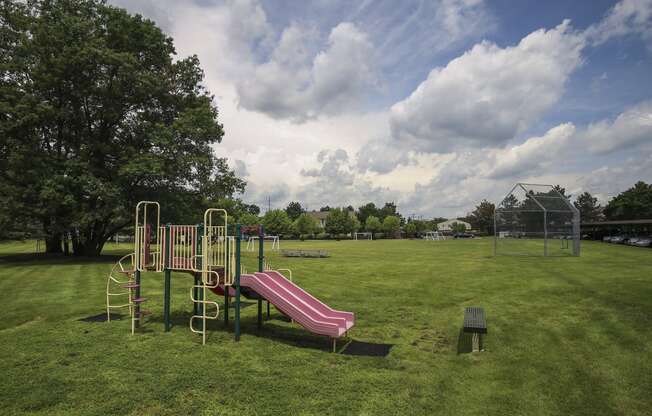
(644,242)
(631,240)
(606,239)
(463,235)
(617,239)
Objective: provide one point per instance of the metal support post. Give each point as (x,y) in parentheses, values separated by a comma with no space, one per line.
(137,305)
(238,237)
(168,278)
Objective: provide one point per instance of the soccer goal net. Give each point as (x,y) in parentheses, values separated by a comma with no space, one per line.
(363,236)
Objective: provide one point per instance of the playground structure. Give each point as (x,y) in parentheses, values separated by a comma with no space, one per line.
(434,236)
(363,236)
(211,254)
(251,242)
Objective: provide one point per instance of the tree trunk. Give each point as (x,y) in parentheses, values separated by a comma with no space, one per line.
(53,243)
(66,246)
(89,248)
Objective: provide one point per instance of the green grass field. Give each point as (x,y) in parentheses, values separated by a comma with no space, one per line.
(567,336)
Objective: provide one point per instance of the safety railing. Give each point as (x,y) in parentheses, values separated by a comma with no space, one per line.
(139,241)
(158,257)
(289,273)
(143,225)
(215,243)
(183,247)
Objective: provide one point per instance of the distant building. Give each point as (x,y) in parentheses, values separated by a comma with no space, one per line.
(447,226)
(320,216)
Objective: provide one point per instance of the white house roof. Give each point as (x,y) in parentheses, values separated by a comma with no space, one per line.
(446,225)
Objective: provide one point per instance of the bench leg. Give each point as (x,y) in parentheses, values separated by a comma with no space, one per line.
(476,342)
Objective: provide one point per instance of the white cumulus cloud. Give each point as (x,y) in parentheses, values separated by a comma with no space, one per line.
(293,85)
(625,18)
(630,129)
(489,94)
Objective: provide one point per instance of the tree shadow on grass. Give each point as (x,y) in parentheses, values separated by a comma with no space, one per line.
(46,259)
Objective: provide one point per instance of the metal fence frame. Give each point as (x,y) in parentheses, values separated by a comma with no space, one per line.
(549,203)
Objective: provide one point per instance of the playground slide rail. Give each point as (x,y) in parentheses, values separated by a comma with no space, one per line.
(307,298)
(297,306)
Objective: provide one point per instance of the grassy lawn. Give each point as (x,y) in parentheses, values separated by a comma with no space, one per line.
(567,336)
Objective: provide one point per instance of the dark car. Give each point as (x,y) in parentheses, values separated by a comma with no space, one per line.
(644,242)
(617,239)
(463,235)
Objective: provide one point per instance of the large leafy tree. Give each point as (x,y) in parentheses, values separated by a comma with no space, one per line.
(410,229)
(420,226)
(276,222)
(588,207)
(305,224)
(96,114)
(370,209)
(392,225)
(561,190)
(389,209)
(373,225)
(294,209)
(340,221)
(635,203)
(367,210)
(482,217)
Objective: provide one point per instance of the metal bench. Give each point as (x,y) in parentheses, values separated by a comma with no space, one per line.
(304,253)
(475,323)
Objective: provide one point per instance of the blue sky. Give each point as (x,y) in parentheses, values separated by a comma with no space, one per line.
(435,105)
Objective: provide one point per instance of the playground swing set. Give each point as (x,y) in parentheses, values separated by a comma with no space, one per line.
(211,253)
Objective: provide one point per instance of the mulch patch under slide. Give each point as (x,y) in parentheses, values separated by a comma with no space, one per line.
(367,349)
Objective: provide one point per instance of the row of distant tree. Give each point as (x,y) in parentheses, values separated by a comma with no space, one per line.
(634,203)
(296,220)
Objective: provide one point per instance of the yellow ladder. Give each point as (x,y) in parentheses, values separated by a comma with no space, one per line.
(118,287)
(209,280)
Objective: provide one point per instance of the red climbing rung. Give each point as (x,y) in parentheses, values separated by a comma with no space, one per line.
(131,285)
(138,300)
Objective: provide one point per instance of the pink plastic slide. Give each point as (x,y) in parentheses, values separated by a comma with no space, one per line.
(298,304)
